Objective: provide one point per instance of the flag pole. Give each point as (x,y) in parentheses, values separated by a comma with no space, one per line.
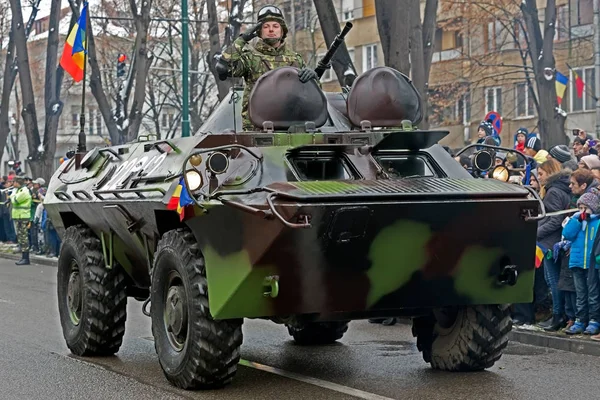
(81,146)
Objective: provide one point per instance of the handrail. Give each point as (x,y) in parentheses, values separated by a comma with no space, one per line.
(117,192)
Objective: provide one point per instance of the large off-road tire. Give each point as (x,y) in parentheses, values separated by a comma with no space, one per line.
(92,300)
(317,333)
(466,339)
(194,350)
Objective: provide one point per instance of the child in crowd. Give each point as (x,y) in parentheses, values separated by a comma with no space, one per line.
(581,231)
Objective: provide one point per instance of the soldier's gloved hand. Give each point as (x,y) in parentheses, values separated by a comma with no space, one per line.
(251,32)
(307,74)
(222,68)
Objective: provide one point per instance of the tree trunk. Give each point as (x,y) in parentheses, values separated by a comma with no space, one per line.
(28,113)
(215,48)
(7,83)
(429,26)
(53,105)
(393,24)
(417,67)
(341,61)
(541,51)
(10,75)
(99,95)
(144,60)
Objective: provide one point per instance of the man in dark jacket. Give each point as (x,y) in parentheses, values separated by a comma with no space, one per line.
(557,198)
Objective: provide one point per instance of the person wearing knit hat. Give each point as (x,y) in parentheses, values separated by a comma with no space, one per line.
(581,230)
(589,162)
(533,148)
(562,154)
(520,138)
(487,130)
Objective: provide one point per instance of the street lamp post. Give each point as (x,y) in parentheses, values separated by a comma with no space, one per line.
(185,118)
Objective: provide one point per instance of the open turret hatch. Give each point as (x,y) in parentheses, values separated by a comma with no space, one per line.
(280,99)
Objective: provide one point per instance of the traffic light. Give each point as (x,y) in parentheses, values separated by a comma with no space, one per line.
(121,65)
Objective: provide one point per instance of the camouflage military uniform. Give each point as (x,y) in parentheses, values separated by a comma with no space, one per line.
(21,213)
(251,62)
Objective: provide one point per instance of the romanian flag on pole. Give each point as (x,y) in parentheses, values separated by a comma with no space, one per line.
(540,251)
(579,84)
(561,86)
(75,51)
(182,202)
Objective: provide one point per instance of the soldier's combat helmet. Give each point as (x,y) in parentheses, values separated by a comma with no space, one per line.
(272,13)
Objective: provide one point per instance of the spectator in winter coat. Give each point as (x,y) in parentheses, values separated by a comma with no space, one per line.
(589,162)
(581,230)
(556,197)
(580,182)
(533,148)
(520,138)
(487,130)
(562,154)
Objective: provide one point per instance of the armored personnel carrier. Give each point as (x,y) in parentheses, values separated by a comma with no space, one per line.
(334,209)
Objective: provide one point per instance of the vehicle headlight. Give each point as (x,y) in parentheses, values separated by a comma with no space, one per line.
(194,179)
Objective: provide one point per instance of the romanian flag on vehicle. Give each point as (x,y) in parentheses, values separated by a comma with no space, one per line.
(75,50)
(182,202)
(540,251)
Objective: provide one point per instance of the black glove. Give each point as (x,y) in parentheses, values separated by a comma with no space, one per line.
(307,74)
(251,32)
(222,68)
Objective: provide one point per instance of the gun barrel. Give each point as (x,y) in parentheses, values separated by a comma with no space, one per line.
(322,66)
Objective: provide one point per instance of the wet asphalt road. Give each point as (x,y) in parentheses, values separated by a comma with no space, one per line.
(377,360)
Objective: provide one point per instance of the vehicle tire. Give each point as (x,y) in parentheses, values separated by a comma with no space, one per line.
(465,339)
(316,333)
(194,350)
(92,300)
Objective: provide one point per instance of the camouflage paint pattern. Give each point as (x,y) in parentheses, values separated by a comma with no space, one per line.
(375,243)
(250,62)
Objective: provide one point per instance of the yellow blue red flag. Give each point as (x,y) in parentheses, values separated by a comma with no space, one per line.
(540,251)
(182,202)
(561,86)
(75,50)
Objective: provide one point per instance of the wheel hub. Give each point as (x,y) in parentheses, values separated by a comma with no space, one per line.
(74,298)
(176,316)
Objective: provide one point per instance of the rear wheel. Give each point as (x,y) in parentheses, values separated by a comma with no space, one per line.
(316,333)
(464,339)
(92,300)
(194,350)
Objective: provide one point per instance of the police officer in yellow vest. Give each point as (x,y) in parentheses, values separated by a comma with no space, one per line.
(20,201)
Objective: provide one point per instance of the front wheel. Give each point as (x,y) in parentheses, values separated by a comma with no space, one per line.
(194,350)
(465,338)
(92,299)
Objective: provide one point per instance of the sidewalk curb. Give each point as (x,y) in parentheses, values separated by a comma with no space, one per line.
(573,344)
(40,260)
(565,343)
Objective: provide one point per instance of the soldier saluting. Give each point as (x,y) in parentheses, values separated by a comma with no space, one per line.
(251,62)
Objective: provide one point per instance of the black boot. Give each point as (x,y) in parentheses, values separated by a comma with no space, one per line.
(558,322)
(24,260)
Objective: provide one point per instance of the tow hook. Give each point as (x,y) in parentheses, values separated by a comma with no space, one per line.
(271,286)
(508,276)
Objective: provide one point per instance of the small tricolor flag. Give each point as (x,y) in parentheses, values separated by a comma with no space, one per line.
(561,86)
(75,50)
(540,251)
(182,202)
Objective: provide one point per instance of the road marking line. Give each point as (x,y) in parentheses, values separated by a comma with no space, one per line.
(314,381)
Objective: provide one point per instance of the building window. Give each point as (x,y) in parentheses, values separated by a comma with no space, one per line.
(463,109)
(493,100)
(447,40)
(523,100)
(347,10)
(164,123)
(562,23)
(586,101)
(583,12)
(492,36)
(369,57)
